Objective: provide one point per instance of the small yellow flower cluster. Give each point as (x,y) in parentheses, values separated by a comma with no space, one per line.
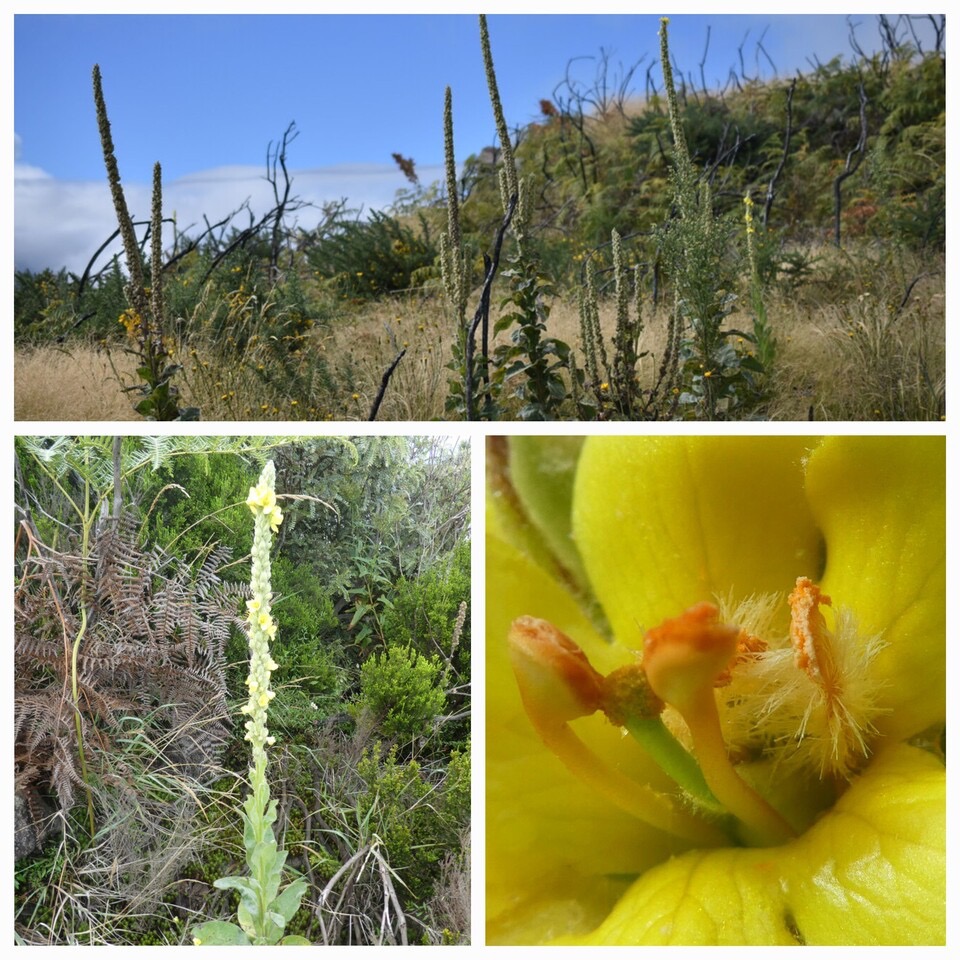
(261,627)
(263,499)
(258,682)
(748,215)
(130,320)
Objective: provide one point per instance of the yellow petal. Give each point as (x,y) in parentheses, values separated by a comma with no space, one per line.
(881,503)
(872,871)
(663,523)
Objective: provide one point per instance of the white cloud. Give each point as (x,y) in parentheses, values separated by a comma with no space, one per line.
(62,223)
(23,171)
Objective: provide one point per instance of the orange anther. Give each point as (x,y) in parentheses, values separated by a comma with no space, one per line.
(556,681)
(686,653)
(811,640)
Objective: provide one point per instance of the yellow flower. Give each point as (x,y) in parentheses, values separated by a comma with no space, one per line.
(275,516)
(261,497)
(821,564)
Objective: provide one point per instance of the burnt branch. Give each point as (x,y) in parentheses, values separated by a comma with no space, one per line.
(384,382)
(482,317)
(787,133)
(852,164)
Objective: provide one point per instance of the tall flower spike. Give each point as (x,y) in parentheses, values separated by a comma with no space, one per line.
(558,684)
(264,909)
(260,626)
(683,658)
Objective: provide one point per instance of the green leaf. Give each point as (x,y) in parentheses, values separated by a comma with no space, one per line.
(249,890)
(288,902)
(245,885)
(220,933)
(361,611)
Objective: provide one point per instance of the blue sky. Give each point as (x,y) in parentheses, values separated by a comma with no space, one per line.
(205,95)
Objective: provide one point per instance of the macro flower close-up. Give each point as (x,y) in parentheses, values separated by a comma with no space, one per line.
(716,690)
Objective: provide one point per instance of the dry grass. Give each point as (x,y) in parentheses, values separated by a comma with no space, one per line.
(866,358)
(862,361)
(338,374)
(846,350)
(53,383)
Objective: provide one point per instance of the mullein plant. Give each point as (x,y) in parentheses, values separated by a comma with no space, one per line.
(455,276)
(143,320)
(531,360)
(264,910)
(694,248)
(616,387)
(762,334)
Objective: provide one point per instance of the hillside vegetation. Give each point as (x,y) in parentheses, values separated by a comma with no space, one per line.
(772,250)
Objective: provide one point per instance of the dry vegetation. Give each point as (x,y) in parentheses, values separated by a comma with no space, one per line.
(75,383)
(824,301)
(864,357)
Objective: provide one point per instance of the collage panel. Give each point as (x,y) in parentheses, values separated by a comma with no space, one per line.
(716,690)
(712,679)
(738,217)
(242,690)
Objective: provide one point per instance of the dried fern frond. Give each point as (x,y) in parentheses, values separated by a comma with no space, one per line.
(153,647)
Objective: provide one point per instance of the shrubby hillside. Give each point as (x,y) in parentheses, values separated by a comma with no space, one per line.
(772,249)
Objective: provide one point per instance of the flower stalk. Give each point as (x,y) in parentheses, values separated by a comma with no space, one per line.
(264,911)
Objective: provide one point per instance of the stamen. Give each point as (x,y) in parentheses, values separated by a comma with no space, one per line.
(683,658)
(629,702)
(558,684)
(812,649)
(838,717)
(748,647)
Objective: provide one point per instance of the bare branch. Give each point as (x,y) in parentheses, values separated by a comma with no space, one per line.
(854,159)
(384,381)
(787,133)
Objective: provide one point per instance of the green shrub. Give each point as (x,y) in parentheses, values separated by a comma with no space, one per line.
(423,611)
(417,821)
(400,688)
(365,259)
